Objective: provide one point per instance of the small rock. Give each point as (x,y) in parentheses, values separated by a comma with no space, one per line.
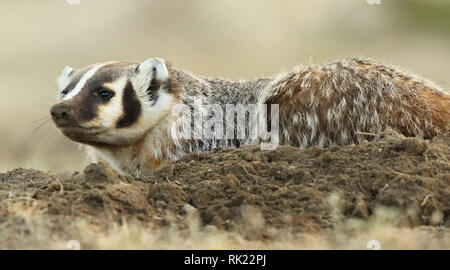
(411,145)
(248,157)
(217,222)
(326,157)
(95,173)
(188,209)
(210,229)
(360,210)
(232,181)
(160,204)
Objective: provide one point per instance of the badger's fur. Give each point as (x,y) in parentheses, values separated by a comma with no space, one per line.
(123,111)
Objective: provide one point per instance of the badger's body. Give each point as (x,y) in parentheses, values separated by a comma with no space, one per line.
(124,112)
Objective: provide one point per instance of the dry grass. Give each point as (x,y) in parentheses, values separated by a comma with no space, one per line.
(40,231)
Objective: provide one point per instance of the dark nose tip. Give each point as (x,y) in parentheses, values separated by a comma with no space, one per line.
(61,112)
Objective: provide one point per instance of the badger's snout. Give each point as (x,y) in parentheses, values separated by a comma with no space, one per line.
(62,114)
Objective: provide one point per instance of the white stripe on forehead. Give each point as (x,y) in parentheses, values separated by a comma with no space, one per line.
(83,81)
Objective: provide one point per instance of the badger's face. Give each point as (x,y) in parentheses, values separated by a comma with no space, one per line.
(114,103)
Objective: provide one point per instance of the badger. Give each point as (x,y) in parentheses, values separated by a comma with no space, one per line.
(123,112)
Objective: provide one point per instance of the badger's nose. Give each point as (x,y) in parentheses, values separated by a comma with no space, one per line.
(61,113)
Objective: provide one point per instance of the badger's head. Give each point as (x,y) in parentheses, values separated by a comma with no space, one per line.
(114,103)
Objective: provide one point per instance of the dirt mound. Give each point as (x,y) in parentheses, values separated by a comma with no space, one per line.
(249,191)
(290,187)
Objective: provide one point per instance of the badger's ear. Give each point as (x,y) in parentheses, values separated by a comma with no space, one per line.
(150,74)
(64,79)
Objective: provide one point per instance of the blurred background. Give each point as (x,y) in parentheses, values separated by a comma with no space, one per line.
(228,38)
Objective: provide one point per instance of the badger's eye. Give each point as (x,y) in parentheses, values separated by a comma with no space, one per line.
(105,94)
(64,92)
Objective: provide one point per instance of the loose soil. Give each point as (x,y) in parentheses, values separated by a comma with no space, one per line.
(250,192)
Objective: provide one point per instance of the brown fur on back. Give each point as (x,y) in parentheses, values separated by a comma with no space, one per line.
(329,104)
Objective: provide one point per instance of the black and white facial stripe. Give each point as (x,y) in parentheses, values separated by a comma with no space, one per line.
(109,94)
(91,90)
(131,107)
